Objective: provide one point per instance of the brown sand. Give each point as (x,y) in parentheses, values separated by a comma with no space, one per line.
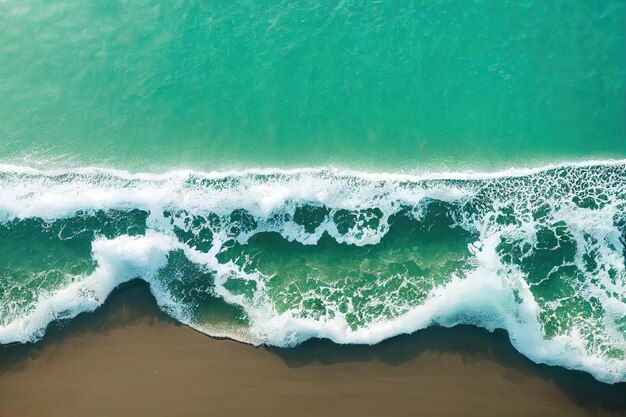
(128,359)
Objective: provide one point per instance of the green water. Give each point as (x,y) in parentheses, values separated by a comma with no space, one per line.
(279,256)
(412,85)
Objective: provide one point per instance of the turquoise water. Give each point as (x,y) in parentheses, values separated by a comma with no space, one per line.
(443,85)
(231,154)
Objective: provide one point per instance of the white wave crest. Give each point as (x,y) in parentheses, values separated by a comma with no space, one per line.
(585,197)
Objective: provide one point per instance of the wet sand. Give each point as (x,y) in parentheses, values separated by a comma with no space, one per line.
(129,359)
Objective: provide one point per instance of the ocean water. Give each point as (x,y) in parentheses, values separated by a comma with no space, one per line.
(348,170)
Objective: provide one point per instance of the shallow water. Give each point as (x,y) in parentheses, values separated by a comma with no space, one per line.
(282,256)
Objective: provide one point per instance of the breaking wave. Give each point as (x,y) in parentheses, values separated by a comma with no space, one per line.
(278,257)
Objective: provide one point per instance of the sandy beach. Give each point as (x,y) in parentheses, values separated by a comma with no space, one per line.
(129,359)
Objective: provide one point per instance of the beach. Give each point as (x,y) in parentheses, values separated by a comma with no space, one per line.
(299,208)
(128,358)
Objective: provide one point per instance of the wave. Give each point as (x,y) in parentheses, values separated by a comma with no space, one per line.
(280,256)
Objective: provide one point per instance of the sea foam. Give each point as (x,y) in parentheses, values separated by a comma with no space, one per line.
(542,253)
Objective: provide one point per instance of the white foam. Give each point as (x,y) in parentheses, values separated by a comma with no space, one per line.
(119,260)
(488,296)
(483,297)
(25,193)
(340,172)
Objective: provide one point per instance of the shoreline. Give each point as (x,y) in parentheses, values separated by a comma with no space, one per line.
(129,358)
